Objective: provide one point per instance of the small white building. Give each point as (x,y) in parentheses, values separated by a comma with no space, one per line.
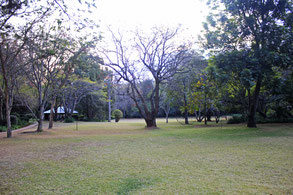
(60,112)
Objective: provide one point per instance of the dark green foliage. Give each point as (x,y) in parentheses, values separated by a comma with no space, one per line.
(236,119)
(252,41)
(27,117)
(239,118)
(92,107)
(14,120)
(3,128)
(20,123)
(88,66)
(117,115)
(69,120)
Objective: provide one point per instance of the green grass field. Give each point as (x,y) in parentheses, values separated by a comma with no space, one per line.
(125,158)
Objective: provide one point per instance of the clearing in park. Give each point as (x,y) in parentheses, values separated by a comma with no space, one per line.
(125,158)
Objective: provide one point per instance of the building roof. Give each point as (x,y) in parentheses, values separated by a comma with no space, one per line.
(60,110)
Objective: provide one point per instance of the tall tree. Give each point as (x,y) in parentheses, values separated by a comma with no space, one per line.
(157,57)
(10,70)
(261,30)
(12,42)
(88,67)
(179,86)
(49,55)
(17,19)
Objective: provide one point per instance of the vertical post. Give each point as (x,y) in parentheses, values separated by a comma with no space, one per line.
(109,85)
(205,109)
(109,103)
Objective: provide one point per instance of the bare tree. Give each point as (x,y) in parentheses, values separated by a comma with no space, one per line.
(155,56)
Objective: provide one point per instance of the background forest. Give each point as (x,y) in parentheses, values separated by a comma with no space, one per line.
(51,58)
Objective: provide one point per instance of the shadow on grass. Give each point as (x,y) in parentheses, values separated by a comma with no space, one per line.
(132,184)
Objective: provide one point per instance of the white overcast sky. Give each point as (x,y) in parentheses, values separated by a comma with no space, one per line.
(130,14)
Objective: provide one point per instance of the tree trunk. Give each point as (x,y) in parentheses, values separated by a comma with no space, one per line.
(185,104)
(40,120)
(186,116)
(51,117)
(253,106)
(55,116)
(151,123)
(167,110)
(167,117)
(185,108)
(8,101)
(1,109)
(8,121)
(217,119)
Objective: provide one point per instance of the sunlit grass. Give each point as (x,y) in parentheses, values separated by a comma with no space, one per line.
(125,158)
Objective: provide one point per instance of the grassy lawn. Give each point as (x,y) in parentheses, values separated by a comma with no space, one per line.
(124,158)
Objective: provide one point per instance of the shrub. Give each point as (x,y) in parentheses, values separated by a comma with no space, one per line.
(14,120)
(27,117)
(236,119)
(98,119)
(117,114)
(3,128)
(69,120)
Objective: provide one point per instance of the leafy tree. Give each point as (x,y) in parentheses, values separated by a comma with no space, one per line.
(179,86)
(257,33)
(13,40)
(74,93)
(17,19)
(205,95)
(50,59)
(92,105)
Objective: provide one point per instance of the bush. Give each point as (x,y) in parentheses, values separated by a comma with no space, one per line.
(69,120)
(117,114)
(14,120)
(3,128)
(236,119)
(27,117)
